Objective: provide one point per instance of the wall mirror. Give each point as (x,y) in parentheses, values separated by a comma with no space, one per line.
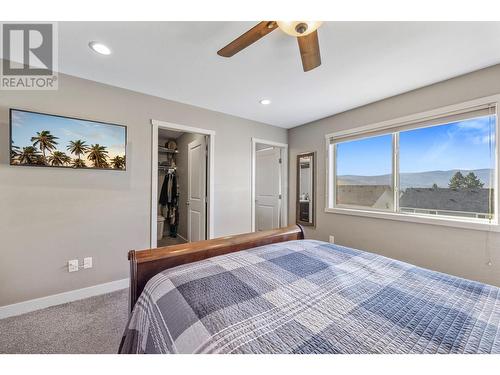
(306,176)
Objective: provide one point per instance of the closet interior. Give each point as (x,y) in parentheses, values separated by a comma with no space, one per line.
(179,179)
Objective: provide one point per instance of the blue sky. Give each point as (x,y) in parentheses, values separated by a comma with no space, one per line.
(460,145)
(25,125)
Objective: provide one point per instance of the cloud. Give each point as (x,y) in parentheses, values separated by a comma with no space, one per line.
(438,152)
(19,118)
(92,136)
(482,125)
(484,139)
(476,124)
(477,131)
(115,150)
(444,147)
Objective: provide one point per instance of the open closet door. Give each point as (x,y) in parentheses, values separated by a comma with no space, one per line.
(197,167)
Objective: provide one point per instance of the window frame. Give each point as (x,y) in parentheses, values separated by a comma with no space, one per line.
(394,127)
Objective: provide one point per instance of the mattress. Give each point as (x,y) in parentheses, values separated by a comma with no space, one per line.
(311,297)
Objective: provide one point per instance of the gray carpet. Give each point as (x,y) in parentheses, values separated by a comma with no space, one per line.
(167,241)
(92,325)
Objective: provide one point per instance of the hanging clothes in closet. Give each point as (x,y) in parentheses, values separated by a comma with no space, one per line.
(170,200)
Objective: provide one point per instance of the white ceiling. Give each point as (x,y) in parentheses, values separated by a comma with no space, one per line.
(362,62)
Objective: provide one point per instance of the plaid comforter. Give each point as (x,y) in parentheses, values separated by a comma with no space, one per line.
(312,297)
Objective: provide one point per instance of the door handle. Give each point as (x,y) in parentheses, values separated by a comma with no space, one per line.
(187,203)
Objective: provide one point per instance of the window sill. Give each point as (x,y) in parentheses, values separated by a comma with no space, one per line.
(421,219)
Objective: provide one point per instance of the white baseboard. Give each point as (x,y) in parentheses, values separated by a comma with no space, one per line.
(57,299)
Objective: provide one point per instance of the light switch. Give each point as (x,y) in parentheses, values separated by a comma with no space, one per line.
(87,262)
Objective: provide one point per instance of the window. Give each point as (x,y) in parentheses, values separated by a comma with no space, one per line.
(364,173)
(442,167)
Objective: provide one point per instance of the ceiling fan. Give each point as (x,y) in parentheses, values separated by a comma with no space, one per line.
(305,31)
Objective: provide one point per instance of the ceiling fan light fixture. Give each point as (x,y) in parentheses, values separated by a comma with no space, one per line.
(304,31)
(299,28)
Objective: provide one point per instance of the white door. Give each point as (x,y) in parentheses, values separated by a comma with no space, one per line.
(267,188)
(196,190)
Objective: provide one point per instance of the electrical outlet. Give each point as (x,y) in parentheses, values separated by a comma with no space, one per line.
(87,262)
(73,265)
(332,239)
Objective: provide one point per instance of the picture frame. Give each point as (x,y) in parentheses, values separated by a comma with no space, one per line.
(38,139)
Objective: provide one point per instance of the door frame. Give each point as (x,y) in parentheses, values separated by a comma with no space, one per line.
(284,179)
(155,125)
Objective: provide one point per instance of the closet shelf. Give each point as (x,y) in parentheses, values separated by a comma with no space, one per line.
(165,150)
(166,167)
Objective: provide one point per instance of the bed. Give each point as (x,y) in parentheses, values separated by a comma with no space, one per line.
(275,292)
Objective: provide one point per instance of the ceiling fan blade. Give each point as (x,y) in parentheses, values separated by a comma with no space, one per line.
(309,51)
(251,36)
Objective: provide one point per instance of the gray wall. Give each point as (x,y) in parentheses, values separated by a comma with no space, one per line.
(182,178)
(456,251)
(48,216)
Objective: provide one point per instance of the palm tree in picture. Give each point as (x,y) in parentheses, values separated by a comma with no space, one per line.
(97,155)
(45,141)
(58,159)
(78,148)
(118,162)
(14,152)
(78,163)
(29,155)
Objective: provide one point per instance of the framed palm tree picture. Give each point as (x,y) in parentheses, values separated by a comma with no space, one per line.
(43,140)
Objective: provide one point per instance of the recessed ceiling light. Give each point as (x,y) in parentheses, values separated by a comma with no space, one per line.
(265,101)
(100,48)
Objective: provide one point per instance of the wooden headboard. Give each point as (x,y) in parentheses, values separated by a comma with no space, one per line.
(145,264)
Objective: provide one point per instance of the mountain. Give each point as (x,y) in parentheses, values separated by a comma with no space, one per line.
(418,179)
